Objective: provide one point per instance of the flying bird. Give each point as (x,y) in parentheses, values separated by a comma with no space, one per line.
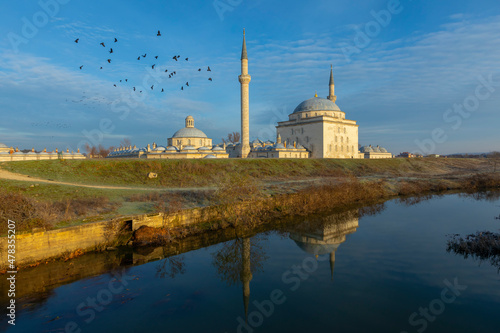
(153,67)
(139,58)
(208,69)
(175,58)
(76,40)
(182,88)
(116,40)
(156,57)
(145,54)
(187,59)
(209,79)
(102,43)
(111,50)
(158,34)
(114,85)
(126,80)
(81,66)
(134,88)
(152,87)
(162,90)
(199,69)
(101,67)
(187,84)
(166,70)
(109,61)
(120,80)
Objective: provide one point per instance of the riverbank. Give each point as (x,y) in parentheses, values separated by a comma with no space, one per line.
(238,206)
(64,193)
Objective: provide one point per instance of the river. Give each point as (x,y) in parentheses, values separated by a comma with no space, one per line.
(378,270)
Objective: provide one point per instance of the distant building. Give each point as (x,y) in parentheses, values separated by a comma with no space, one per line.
(406,155)
(11,155)
(187,143)
(376,152)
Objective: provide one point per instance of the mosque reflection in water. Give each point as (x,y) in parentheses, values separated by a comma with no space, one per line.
(239,259)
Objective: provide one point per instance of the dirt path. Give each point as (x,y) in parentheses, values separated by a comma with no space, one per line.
(17,176)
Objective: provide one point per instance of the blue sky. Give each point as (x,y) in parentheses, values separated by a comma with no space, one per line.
(423,76)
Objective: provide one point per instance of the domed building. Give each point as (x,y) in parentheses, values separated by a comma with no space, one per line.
(187,143)
(4,148)
(375,152)
(321,127)
(189,136)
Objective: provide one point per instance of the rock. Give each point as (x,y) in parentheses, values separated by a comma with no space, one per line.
(152,175)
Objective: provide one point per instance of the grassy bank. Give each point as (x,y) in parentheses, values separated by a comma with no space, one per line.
(234,211)
(194,173)
(48,205)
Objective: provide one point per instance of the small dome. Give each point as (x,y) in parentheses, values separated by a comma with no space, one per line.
(189,132)
(279,146)
(171,148)
(3,145)
(366,149)
(159,148)
(204,148)
(317,249)
(217,148)
(316,104)
(189,148)
(383,150)
(210,156)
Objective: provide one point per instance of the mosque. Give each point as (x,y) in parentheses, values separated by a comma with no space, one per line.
(317,128)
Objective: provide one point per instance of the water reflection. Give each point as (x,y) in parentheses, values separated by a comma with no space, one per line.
(236,261)
(324,235)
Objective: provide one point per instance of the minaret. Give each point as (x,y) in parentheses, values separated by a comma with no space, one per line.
(332,96)
(244,81)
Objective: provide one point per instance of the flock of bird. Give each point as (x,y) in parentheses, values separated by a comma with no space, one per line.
(153,66)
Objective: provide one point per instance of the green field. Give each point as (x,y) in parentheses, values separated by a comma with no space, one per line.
(192,183)
(195,173)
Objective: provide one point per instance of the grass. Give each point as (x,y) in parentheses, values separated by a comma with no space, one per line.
(193,173)
(53,206)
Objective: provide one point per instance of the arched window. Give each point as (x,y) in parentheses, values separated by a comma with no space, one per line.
(344,130)
(347,140)
(342,139)
(336,138)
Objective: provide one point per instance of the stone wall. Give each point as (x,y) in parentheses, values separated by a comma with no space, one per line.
(36,246)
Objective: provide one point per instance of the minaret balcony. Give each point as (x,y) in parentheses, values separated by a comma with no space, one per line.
(244,78)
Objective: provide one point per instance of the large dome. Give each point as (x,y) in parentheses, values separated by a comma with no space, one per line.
(3,146)
(189,132)
(317,104)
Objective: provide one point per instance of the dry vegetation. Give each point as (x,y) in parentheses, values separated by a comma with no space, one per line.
(31,213)
(482,245)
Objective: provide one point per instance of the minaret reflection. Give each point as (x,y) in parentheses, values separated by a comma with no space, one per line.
(323,236)
(237,261)
(246,273)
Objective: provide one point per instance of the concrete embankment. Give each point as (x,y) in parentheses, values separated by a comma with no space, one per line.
(41,245)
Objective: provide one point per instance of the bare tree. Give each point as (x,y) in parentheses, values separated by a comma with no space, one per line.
(494,159)
(125,143)
(232,138)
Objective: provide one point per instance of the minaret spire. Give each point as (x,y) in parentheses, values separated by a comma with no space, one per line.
(332,96)
(244,48)
(244,79)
